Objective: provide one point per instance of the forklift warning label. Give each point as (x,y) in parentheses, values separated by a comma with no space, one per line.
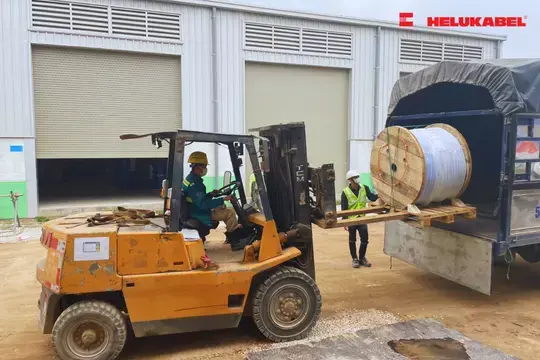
(91,249)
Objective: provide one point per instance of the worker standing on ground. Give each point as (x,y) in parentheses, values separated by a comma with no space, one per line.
(254,190)
(355,196)
(202,205)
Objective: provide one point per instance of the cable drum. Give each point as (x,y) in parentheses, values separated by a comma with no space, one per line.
(420,166)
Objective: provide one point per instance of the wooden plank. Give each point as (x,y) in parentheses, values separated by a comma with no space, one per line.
(458,203)
(372,219)
(368,210)
(448,219)
(470,215)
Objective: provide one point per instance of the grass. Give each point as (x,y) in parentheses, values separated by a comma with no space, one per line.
(41,219)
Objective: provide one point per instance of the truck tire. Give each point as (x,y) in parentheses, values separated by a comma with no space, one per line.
(530,253)
(89,330)
(286,305)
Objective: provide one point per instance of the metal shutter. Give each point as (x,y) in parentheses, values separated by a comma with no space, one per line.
(317,96)
(85,99)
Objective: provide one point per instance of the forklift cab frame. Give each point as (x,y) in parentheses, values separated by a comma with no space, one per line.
(270,245)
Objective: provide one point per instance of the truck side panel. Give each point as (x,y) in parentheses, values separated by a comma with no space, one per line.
(461,258)
(525,213)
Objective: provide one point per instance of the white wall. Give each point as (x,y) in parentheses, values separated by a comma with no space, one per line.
(232,57)
(16,37)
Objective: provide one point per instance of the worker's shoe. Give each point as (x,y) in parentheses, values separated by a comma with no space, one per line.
(239,238)
(364,262)
(355,263)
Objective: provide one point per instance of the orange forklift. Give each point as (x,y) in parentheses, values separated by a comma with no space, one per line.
(105,275)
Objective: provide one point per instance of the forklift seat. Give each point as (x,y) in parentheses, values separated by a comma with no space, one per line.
(202,228)
(190,223)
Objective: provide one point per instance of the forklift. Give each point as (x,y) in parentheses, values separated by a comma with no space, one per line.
(133,271)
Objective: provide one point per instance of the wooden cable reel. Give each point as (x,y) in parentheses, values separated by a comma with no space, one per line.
(398,165)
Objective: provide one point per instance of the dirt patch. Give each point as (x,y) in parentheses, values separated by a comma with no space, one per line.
(509,320)
(428,349)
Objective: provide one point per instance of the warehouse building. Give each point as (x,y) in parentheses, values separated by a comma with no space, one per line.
(74,75)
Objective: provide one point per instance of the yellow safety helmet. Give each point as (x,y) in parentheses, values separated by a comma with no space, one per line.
(198,157)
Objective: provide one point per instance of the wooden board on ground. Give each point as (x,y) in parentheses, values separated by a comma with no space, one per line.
(415,339)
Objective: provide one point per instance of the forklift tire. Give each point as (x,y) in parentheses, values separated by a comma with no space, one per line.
(286,305)
(90,330)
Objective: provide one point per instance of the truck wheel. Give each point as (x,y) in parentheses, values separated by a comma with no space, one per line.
(530,253)
(286,305)
(90,330)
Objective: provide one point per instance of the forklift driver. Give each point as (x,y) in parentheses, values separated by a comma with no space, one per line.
(204,206)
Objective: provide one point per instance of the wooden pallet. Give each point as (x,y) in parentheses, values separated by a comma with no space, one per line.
(441,213)
(422,216)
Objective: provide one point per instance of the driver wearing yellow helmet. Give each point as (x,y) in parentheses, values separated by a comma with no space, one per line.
(204,206)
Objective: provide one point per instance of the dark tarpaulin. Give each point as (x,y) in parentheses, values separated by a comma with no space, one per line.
(514,84)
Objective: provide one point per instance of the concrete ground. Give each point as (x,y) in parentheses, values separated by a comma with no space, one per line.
(66,206)
(413,339)
(509,320)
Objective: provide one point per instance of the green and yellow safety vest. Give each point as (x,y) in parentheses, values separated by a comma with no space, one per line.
(355,202)
(252,181)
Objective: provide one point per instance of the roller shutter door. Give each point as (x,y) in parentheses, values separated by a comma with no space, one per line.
(85,99)
(317,96)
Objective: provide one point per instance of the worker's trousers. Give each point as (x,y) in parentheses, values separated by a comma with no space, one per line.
(363,232)
(228,216)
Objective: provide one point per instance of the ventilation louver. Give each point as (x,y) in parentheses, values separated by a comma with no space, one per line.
(432,51)
(295,39)
(71,16)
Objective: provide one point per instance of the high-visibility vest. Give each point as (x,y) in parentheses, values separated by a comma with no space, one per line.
(252,182)
(355,202)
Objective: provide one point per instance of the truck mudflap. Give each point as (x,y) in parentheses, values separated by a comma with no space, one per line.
(464,259)
(47,310)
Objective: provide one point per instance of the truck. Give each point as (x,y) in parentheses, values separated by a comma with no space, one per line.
(495,105)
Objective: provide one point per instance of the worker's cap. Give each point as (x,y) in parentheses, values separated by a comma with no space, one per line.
(198,157)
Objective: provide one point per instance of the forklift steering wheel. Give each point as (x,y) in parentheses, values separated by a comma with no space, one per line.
(227,189)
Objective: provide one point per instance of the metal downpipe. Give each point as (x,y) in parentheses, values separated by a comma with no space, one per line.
(376,82)
(215,82)
(499,49)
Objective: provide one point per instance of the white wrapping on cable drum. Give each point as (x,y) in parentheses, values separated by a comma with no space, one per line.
(446,166)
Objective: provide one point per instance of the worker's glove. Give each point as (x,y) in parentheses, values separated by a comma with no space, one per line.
(214,193)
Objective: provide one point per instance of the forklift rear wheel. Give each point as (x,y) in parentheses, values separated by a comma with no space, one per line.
(286,305)
(92,330)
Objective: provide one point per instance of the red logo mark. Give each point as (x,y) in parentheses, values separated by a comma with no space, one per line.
(405,19)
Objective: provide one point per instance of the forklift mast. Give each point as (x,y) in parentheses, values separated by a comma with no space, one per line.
(287,184)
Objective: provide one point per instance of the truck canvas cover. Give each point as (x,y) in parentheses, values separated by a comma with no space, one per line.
(514,84)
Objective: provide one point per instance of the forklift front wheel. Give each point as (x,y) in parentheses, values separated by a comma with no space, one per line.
(92,330)
(286,305)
